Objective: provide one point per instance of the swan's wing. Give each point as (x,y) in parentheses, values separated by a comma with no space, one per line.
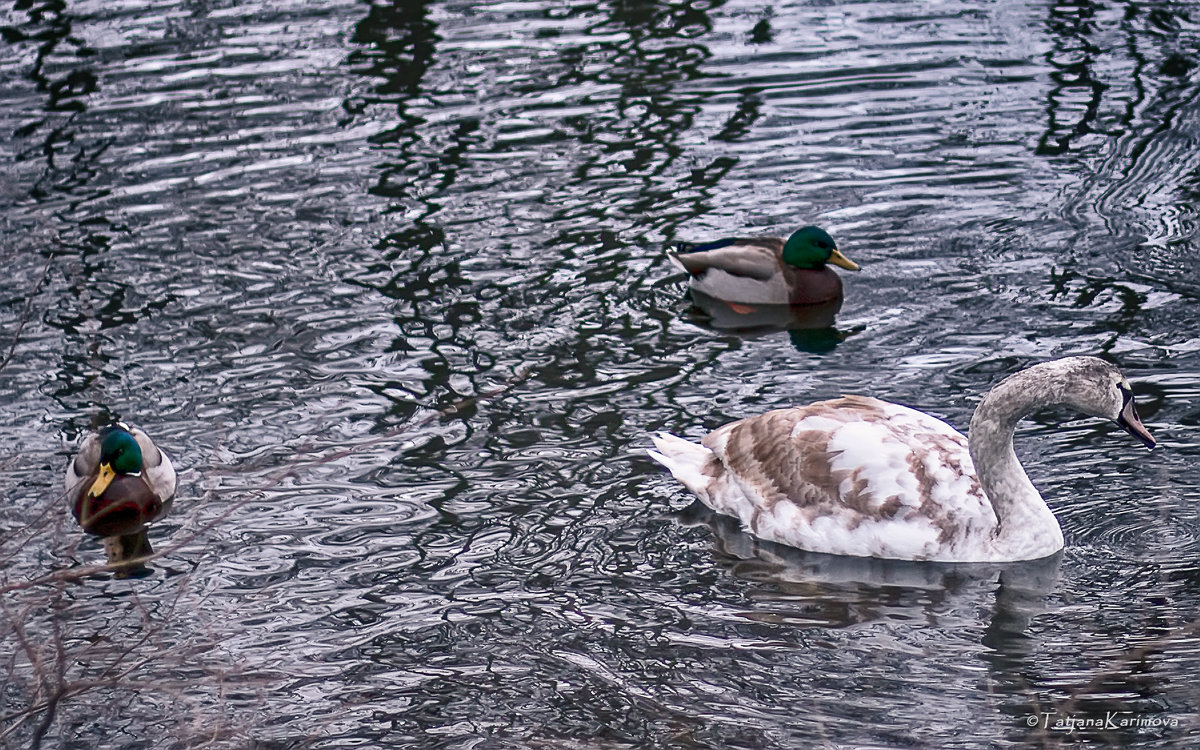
(753,257)
(852,476)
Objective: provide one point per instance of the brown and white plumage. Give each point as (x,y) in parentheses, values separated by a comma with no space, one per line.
(860,476)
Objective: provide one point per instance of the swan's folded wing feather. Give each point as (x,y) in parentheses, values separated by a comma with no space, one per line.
(854,476)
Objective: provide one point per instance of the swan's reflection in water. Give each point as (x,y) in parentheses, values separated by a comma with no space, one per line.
(835,591)
(982,614)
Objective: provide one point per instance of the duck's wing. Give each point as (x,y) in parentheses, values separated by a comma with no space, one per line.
(853,476)
(752,257)
(84,463)
(157,469)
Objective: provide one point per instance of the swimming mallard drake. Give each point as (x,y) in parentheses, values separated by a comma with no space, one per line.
(117,483)
(748,271)
(860,476)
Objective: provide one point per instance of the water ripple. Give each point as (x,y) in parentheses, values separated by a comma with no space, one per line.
(388,282)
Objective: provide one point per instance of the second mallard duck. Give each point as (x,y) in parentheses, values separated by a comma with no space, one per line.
(766,270)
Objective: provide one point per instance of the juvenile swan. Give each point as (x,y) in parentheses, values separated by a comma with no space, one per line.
(860,476)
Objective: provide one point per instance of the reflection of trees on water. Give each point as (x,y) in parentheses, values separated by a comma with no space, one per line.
(48,30)
(94,298)
(588,131)
(612,154)
(1126,75)
(636,136)
(1149,83)
(646,50)
(1070,25)
(631,178)
(398,44)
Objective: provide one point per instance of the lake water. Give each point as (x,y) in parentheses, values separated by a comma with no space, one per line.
(388,283)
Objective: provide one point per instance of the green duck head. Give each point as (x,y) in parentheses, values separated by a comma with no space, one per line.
(119,454)
(811,248)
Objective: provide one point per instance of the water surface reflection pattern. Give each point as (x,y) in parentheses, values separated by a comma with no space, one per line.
(387,280)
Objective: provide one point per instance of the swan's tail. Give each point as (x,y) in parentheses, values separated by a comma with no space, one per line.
(688,462)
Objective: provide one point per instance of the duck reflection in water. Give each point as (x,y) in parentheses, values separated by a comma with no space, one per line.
(810,327)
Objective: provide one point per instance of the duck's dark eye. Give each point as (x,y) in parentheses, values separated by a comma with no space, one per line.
(823,244)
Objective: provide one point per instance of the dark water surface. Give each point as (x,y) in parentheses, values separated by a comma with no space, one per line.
(388,283)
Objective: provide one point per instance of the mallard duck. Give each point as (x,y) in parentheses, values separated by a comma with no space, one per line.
(748,271)
(118,482)
(860,476)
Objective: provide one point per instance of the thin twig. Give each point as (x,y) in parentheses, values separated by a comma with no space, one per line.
(25,312)
(1136,654)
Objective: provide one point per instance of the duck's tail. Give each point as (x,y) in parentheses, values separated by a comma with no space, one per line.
(673,256)
(688,462)
(694,266)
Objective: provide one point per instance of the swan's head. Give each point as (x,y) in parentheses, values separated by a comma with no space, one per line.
(812,248)
(1098,388)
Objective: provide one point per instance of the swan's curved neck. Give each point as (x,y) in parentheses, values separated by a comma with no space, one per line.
(1026,527)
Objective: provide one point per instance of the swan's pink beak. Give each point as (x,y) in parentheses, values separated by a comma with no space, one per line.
(1132,423)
